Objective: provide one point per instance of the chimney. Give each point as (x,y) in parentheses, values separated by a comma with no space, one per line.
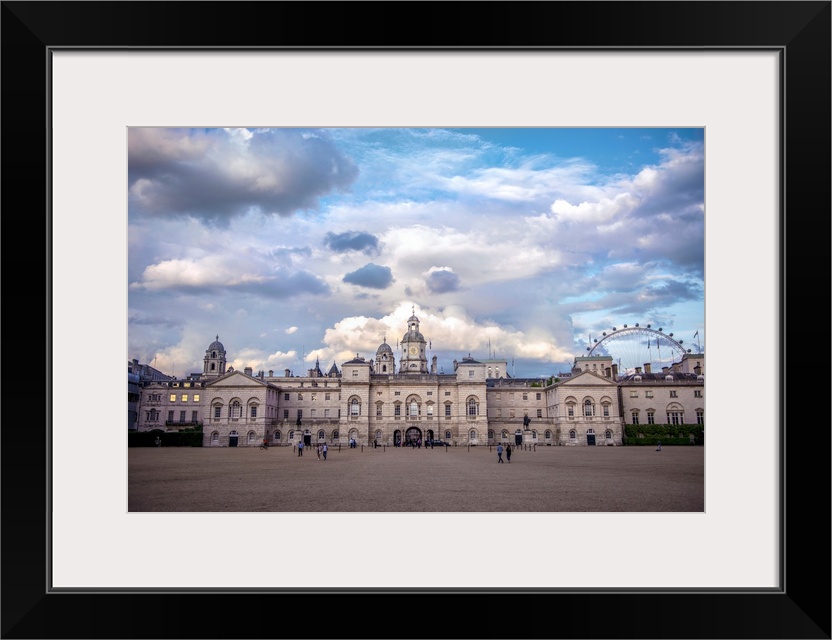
(260,374)
(286,372)
(664,369)
(697,369)
(433,364)
(271,373)
(647,367)
(638,370)
(247,371)
(615,372)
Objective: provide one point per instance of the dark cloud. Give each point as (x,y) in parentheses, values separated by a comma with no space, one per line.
(442,281)
(371,275)
(351,241)
(215,175)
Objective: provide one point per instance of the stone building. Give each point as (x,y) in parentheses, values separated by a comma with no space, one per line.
(385,402)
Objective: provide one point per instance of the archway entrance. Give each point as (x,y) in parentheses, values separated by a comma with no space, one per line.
(412,435)
(232,439)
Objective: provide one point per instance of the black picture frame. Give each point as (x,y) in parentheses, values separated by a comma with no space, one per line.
(799,31)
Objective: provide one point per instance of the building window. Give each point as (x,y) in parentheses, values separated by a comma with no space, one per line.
(573,436)
(326,396)
(673,393)
(447,436)
(537,396)
(430,393)
(285,396)
(236,409)
(525,396)
(312,413)
(675,417)
(651,417)
(700,416)
(215,438)
(447,393)
(252,437)
(697,393)
(635,417)
(355,373)
(470,373)
(448,410)
(540,413)
(173,397)
(472,407)
(326,413)
(570,411)
(321,435)
(633,393)
(355,407)
(414,409)
(300,414)
(397,393)
(378,410)
(196,397)
(335,434)
(276,436)
(589,410)
(194,416)
(254,411)
(472,435)
(300,396)
(499,413)
(285,414)
(606,410)
(217,412)
(397,409)
(608,434)
(184,397)
(430,410)
(181,416)
(648,394)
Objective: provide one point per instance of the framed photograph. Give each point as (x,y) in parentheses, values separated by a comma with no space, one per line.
(755,76)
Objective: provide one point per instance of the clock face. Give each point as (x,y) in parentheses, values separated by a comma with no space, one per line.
(413,351)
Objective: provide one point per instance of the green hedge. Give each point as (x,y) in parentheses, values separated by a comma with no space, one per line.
(670,434)
(176,439)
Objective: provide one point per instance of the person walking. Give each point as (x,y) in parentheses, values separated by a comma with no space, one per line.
(659,446)
(323,450)
(320,450)
(499,453)
(300,448)
(508,452)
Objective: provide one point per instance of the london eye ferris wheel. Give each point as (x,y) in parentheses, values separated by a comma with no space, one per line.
(636,346)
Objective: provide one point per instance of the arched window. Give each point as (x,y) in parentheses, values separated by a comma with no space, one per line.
(490,434)
(608,434)
(472,435)
(472,406)
(378,409)
(414,408)
(379,436)
(291,435)
(504,435)
(276,436)
(589,409)
(335,434)
(235,409)
(321,435)
(573,436)
(355,407)
(215,438)
(447,435)
(252,437)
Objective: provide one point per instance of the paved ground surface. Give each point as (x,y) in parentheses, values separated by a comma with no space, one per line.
(548,479)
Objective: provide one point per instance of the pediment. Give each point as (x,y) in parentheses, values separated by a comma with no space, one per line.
(237,379)
(587,379)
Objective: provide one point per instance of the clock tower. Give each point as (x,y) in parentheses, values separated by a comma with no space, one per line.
(414,358)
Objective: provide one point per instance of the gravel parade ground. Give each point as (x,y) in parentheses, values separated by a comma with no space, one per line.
(459,479)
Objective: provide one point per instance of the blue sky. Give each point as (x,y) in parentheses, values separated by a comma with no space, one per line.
(297,244)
